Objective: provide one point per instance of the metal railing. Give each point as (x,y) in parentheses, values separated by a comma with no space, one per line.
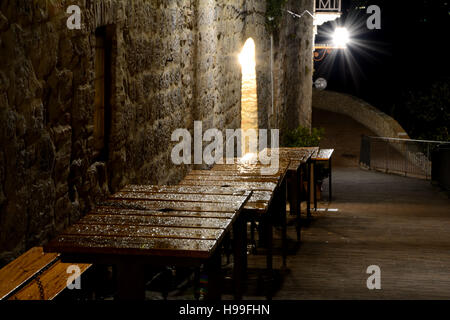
(407,157)
(328,5)
(440,172)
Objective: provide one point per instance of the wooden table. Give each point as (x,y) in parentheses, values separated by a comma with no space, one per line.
(322,155)
(159,226)
(298,158)
(268,199)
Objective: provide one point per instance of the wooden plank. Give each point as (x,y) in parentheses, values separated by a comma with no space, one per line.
(150,213)
(173,205)
(323,155)
(256,169)
(132,246)
(185,189)
(53,280)
(255,196)
(178,197)
(254,186)
(295,165)
(23,268)
(144,231)
(257,207)
(231,176)
(258,201)
(295,154)
(260,196)
(228,174)
(126,220)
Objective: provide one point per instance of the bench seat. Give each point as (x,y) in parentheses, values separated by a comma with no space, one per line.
(35,275)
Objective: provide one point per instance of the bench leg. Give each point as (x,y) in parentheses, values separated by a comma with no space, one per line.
(301,191)
(214,275)
(131,281)
(197,272)
(282,210)
(308,191)
(330,190)
(296,189)
(315,185)
(268,230)
(240,256)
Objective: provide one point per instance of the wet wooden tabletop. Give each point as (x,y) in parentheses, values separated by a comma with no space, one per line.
(242,175)
(323,155)
(297,156)
(178,221)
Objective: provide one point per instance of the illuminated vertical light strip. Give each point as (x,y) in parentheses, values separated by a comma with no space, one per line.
(271,70)
(249,98)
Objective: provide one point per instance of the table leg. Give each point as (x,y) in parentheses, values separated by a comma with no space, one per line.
(298,208)
(269,258)
(131,281)
(308,191)
(214,274)
(315,184)
(240,256)
(252,233)
(282,209)
(295,189)
(330,190)
(197,272)
(269,243)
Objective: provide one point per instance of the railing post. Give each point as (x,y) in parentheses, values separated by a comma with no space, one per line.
(364,156)
(428,159)
(406,159)
(387,156)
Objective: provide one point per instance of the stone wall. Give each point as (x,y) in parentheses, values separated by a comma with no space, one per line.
(174,61)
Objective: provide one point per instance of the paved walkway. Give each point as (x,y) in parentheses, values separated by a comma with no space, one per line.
(400,224)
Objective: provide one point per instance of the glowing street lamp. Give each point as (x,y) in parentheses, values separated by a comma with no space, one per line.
(341,38)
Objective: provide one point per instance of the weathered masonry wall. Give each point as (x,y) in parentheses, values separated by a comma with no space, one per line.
(173,62)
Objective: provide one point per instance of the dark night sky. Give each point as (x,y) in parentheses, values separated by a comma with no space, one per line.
(410,51)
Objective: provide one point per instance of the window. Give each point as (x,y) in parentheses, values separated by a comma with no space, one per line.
(103,91)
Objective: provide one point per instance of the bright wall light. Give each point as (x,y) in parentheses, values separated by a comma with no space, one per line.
(249,96)
(341,37)
(247,57)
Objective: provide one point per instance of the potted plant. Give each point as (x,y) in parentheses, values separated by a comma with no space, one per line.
(305,137)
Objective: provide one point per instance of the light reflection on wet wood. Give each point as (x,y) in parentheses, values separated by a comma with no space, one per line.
(125,212)
(229,177)
(131,245)
(156,220)
(178,197)
(174,205)
(144,231)
(261,186)
(184,190)
(189,222)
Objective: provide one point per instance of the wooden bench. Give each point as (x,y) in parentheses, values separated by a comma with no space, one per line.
(299,158)
(266,204)
(160,226)
(322,155)
(35,275)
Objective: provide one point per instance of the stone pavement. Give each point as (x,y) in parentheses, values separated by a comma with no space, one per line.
(400,224)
